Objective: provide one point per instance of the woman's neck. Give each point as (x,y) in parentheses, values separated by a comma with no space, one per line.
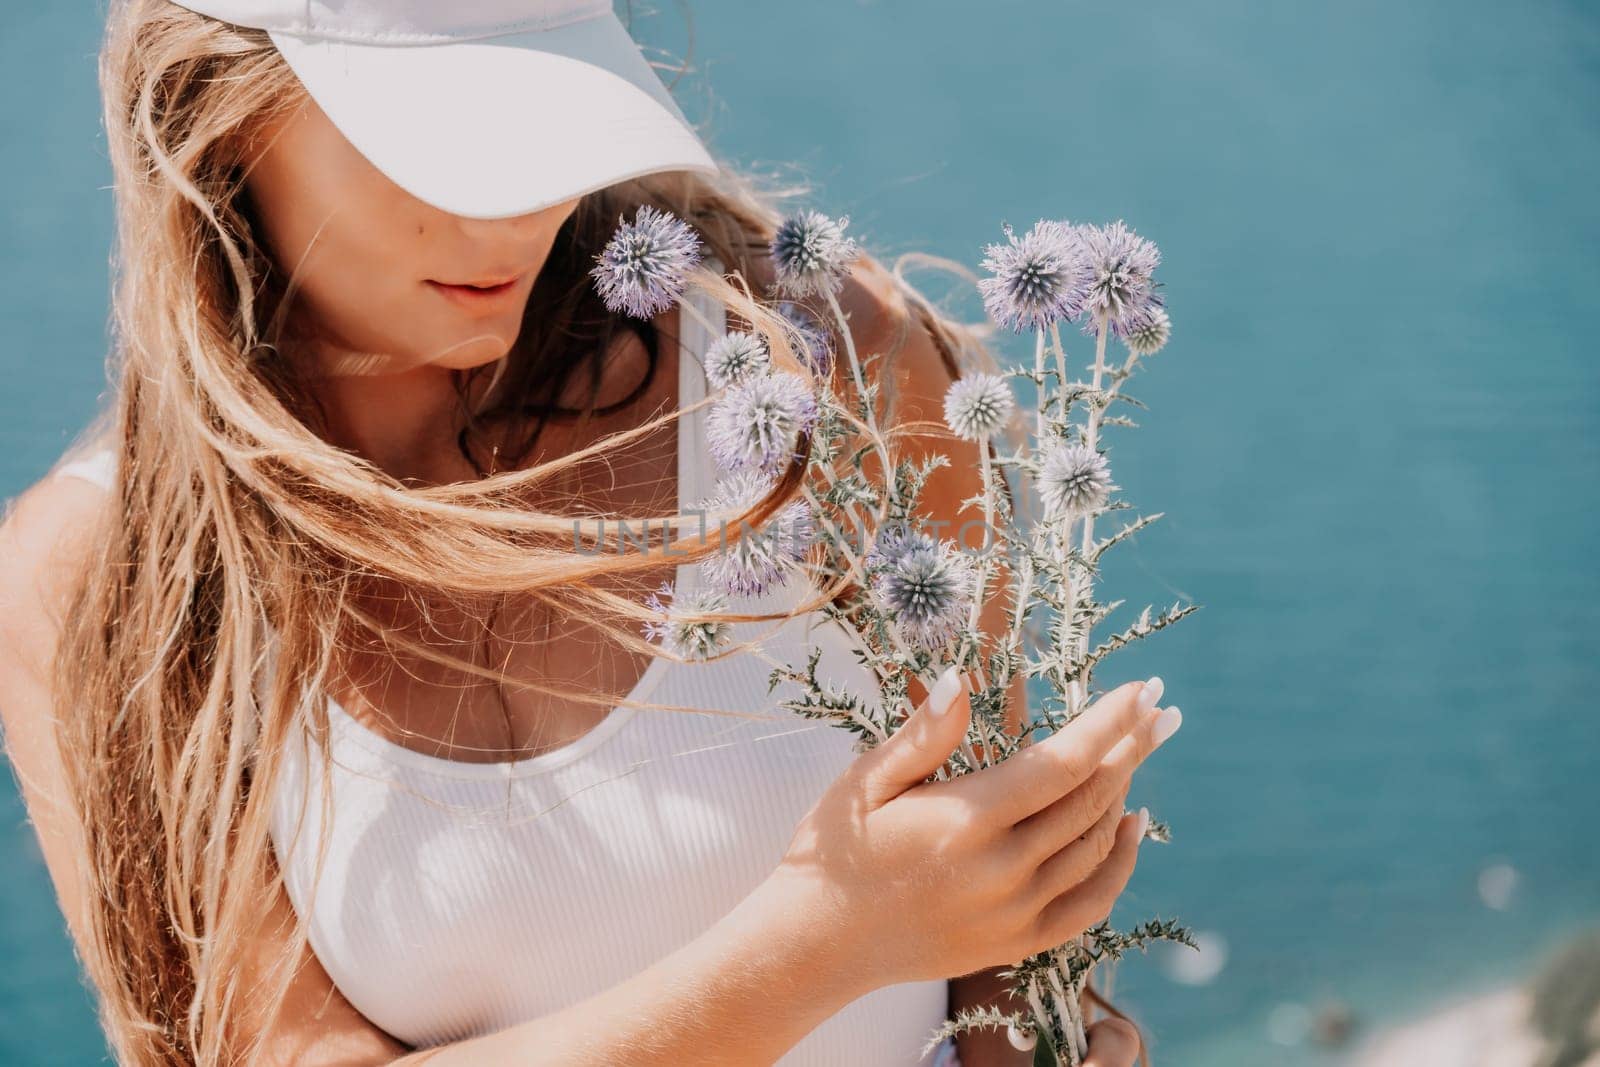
(405,423)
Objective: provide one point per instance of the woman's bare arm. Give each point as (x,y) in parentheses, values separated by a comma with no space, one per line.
(742,993)
(38,547)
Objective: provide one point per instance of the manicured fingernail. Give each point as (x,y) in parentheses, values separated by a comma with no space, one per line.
(1150,693)
(1167,723)
(1144,822)
(944,692)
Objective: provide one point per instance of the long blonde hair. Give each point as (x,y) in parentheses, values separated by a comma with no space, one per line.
(237,537)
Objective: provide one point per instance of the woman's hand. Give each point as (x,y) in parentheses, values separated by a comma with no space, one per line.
(922,880)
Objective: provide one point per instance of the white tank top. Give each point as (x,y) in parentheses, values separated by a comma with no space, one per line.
(459,898)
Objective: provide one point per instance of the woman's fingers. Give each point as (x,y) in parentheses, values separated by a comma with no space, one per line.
(921,745)
(1052,827)
(1041,773)
(1077,859)
(1112,1043)
(1081,905)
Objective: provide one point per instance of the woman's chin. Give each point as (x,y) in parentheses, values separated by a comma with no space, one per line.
(472,352)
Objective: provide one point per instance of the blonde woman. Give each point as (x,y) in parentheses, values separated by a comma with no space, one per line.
(342,747)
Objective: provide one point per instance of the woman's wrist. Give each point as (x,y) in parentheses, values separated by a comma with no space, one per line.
(792,916)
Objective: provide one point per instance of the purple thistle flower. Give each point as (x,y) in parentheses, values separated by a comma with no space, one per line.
(978,406)
(762,557)
(894,540)
(735,356)
(756,422)
(1121,265)
(644,267)
(816,346)
(811,253)
(687,638)
(1038,279)
(1149,331)
(1074,479)
(927,588)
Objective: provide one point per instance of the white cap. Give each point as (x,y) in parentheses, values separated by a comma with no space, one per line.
(482,108)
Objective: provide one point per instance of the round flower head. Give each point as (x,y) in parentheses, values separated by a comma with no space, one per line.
(977,407)
(643,269)
(687,638)
(1149,332)
(760,558)
(1037,279)
(1074,479)
(1121,264)
(735,356)
(893,540)
(755,424)
(927,588)
(811,253)
(816,348)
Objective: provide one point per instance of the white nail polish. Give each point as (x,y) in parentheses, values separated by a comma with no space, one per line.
(1167,723)
(1151,692)
(1144,822)
(944,692)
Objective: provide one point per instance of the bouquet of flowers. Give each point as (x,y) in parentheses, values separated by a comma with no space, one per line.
(912,599)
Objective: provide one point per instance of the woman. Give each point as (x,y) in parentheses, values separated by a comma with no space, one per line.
(339,749)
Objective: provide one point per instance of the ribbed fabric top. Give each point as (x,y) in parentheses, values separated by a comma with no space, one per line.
(459,898)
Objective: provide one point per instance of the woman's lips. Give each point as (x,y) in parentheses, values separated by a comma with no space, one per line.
(483,295)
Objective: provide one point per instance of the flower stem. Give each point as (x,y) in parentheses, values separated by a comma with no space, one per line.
(1040,1014)
(986,471)
(1071,1013)
(1091,438)
(1061,369)
(1038,377)
(1069,1024)
(855,361)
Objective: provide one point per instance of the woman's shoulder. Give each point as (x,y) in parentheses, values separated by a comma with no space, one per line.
(65,496)
(44,544)
(917,349)
(44,547)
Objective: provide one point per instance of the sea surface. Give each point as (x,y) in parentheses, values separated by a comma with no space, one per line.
(1373,435)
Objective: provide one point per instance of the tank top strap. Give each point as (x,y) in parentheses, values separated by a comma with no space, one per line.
(702,319)
(98,467)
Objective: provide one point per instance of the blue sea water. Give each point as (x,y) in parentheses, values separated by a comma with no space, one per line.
(1373,434)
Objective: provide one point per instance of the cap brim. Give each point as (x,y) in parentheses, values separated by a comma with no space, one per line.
(501,126)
